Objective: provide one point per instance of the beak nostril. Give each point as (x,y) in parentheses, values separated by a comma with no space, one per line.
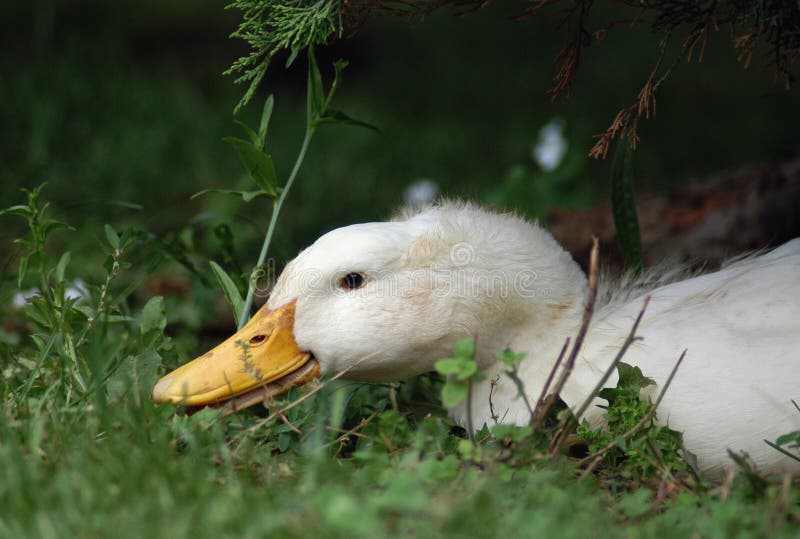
(258,339)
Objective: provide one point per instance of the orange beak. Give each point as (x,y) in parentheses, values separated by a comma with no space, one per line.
(259,361)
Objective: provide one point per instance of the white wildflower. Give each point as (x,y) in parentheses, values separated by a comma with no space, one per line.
(420,192)
(550,147)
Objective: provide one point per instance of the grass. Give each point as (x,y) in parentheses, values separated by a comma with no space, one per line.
(84,452)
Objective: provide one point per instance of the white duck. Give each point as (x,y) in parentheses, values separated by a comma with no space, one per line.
(386,300)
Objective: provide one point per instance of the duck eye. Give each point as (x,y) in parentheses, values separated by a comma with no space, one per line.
(257,339)
(351,281)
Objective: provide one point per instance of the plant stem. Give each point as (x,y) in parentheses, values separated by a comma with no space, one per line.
(470,428)
(276,209)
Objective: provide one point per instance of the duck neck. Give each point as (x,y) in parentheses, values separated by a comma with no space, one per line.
(536,324)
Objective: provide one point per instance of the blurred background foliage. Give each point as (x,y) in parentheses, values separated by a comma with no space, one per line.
(121,108)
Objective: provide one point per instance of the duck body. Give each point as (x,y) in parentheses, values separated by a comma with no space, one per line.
(740,327)
(434,276)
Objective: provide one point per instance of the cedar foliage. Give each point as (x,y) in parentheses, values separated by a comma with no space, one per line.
(770,28)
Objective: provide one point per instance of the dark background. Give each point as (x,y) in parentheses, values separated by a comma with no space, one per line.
(124,103)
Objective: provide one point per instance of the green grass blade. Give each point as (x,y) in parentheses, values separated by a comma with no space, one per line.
(32,376)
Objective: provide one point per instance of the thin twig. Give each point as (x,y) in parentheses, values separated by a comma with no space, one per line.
(626,121)
(290,425)
(386,441)
(578,343)
(361,424)
(354,431)
(782,450)
(629,340)
(587,317)
(492,386)
(101,304)
(727,484)
(598,455)
(541,410)
(520,389)
(344,433)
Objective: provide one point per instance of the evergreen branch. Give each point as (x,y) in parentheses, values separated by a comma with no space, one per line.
(271,26)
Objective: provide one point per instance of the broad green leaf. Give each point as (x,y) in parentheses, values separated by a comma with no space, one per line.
(266,115)
(469,368)
(448,366)
(145,371)
(247,196)
(623,204)
(465,348)
(112,237)
(257,163)
(460,367)
(61,267)
(250,133)
(36,309)
(229,289)
(512,433)
(119,382)
(454,392)
(511,358)
(315,98)
(51,224)
(466,449)
(636,503)
(632,377)
(789,438)
(154,316)
(139,372)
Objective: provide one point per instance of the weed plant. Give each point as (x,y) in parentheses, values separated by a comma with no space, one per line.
(85,453)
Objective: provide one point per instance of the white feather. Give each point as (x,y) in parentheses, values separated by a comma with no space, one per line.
(437,275)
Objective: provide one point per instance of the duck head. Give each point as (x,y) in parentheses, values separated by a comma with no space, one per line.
(383,302)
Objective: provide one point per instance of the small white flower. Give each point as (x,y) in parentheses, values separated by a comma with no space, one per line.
(21,297)
(550,147)
(420,192)
(77,290)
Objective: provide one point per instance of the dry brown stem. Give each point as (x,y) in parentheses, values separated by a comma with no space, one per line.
(626,122)
(629,340)
(543,405)
(588,312)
